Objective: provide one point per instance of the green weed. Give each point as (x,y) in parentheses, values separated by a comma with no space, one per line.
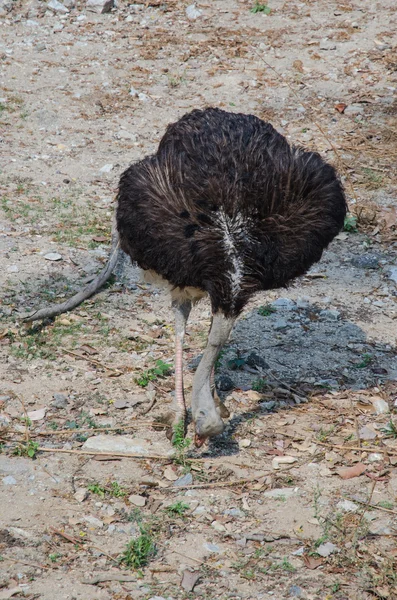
(259,385)
(350,223)
(260,8)
(139,551)
(266,310)
(160,371)
(178,508)
(390,430)
(29,449)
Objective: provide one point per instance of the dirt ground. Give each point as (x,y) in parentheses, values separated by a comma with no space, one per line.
(298,498)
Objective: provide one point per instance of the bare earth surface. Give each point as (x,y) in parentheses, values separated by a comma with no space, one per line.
(309,375)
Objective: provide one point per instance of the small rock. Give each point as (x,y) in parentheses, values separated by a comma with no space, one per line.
(381,407)
(282,460)
(133,92)
(285,303)
(93,521)
(106,168)
(224,383)
(295,591)
(326,549)
(9,480)
(58,27)
(234,512)
(244,443)
(212,548)
(100,6)
(330,315)
(354,109)
(280,325)
(192,12)
(12,269)
(281,493)
(218,526)
(137,500)
(254,360)
(327,45)
(270,405)
(375,457)
(60,401)
(120,404)
(124,444)
(53,256)
(381,527)
(392,274)
(347,506)
(381,45)
(186,479)
(69,3)
(366,433)
(81,494)
(365,261)
(57,7)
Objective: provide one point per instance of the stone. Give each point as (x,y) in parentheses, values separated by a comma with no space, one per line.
(100,6)
(9,480)
(218,526)
(353,109)
(295,591)
(224,383)
(280,325)
(81,494)
(234,512)
(365,261)
(192,12)
(281,493)
(381,527)
(12,269)
(106,168)
(69,3)
(212,548)
(366,433)
(125,445)
(392,274)
(60,401)
(327,45)
(285,303)
(93,521)
(5,7)
(137,500)
(186,479)
(381,407)
(268,405)
(326,549)
(347,506)
(57,7)
(53,256)
(254,360)
(330,315)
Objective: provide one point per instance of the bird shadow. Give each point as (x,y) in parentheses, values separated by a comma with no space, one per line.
(289,355)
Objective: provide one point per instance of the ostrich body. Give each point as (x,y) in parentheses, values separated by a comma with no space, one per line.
(225,208)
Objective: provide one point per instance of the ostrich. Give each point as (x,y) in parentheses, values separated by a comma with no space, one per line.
(225,208)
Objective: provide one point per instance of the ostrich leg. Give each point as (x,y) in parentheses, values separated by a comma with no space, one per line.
(206,415)
(181,311)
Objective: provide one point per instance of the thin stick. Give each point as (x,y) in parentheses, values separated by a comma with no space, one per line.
(92,453)
(91,360)
(210,485)
(74,540)
(388,510)
(23,562)
(366,505)
(361,449)
(103,429)
(109,577)
(355,422)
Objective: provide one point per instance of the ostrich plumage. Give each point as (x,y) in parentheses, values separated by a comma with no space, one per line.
(225,208)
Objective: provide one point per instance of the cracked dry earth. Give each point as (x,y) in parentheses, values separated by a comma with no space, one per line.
(299,497)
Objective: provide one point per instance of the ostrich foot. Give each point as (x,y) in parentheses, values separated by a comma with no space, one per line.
(177,427)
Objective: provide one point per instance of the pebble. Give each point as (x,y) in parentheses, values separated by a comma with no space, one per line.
(218,526)
(192,12)
(353,109)
(326,549)
(12,269)
(81,494)
(268,405)
(9,480)
(381,407)
(392,274)
(366,433)
(212,548)
(54,256)
(234,512)
(381,527)
(254,360)
(282,460)
(327,45)
(281,493)
(57,7)
(285,303)
(125,444)
(100,6)
(224,383)
(244,443)
(295,591)
(375,457)
(347,506)
(280,325)
(137,500)
(106,168)
(60,401)
(93,521)
(330,315)
(186,479)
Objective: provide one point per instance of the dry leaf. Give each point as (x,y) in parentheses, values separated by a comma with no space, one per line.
(341,107)
(298,65)
(100,238)
(311,562)
(189,580)
(351,472)
(170,474)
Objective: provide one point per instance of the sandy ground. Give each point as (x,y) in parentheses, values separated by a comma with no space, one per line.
(311,380)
